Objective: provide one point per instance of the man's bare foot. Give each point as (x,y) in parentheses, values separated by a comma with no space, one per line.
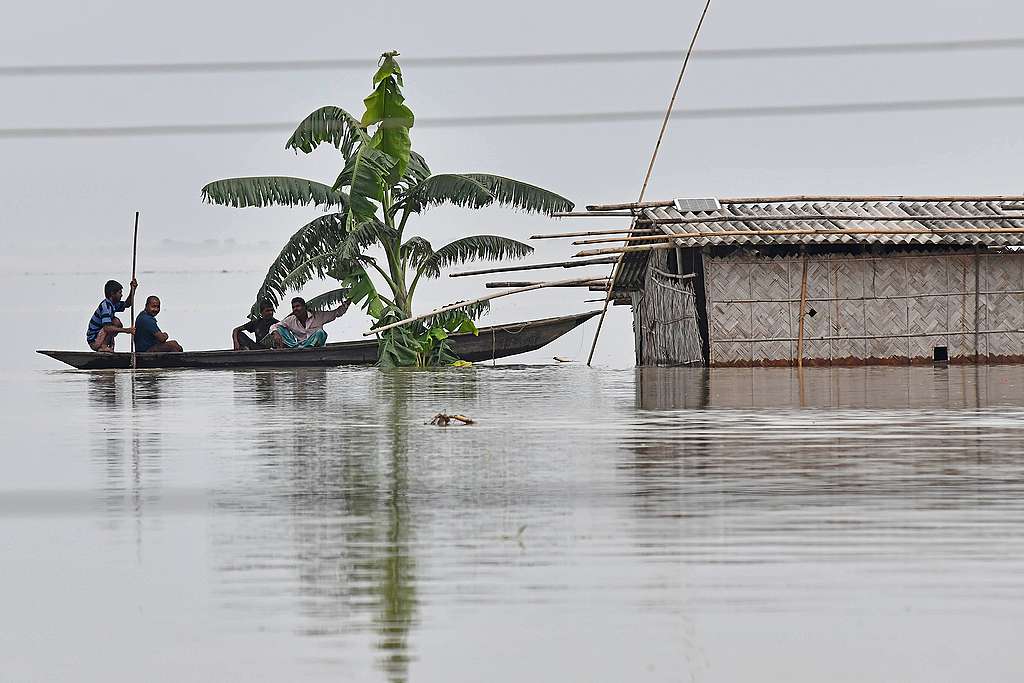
(105,349)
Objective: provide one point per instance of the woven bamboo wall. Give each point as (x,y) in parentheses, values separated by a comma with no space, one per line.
(665,318)
(866,309)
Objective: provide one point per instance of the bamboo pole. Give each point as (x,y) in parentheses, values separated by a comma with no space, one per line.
(748,218)
(647,176)
(463,304)
(534,266)
(666,237)
(783,199)
(505,285)
(618,262)
(660,237)
(869,198)
(586,214)
(632,206)
(585,233)
(803,309)
(977,302)
(135,248)
(622,250)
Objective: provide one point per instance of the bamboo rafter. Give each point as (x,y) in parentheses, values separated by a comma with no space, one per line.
(822,217)
(622,250)
(534,266)
(632,206)
(506,285)
(586,233)
(588,214)
(664,237)
(638,206)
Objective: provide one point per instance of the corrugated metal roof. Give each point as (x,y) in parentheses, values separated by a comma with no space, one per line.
(829,222)
(631,272)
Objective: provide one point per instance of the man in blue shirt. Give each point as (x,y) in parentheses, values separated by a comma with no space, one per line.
(148,337)
(103,326)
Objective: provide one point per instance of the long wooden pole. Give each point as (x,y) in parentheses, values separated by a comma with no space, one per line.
(663,237)
(873,198)
(135,249)
(632,206)
(624,250)
(660,237)
(635,206)
(587,233)
(590,214)
(534,266)
(747,218)
(463,304)
(803,310)
(506,285)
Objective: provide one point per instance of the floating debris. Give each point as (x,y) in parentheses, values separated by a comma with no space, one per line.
(563,360)
(444,419)
(518,538)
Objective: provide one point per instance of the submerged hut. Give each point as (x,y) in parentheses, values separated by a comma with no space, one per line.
(824,280)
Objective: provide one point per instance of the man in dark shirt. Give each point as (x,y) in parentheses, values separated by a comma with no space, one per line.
(259,328)
(148,337)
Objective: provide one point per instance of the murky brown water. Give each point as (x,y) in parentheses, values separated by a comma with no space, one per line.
(595,525)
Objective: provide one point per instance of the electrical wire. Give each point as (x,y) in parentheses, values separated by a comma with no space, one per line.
(582,118)
(527,60)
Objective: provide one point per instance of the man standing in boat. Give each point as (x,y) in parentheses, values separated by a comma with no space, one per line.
(104,326)
(302,329)
(259,328)
(148,337)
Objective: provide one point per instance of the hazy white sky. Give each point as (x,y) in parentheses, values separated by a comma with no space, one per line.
(69,202)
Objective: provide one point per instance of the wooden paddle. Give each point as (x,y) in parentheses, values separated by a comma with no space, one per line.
(135,245)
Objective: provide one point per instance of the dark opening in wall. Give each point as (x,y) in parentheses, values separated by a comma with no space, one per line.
(940,354)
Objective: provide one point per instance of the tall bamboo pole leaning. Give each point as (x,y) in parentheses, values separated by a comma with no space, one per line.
(135,249)
(647,177)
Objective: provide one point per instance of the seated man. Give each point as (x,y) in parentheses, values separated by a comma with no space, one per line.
(260,328)
(302,329)
(148,337)
(103,326)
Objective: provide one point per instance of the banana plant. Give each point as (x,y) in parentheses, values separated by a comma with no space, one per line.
(383,183)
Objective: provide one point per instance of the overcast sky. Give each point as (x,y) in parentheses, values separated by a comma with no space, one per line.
(68,202)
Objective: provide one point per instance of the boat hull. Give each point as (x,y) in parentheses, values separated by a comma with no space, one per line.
(498,341)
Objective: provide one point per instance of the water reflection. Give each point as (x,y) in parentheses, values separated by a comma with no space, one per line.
(673,512)
(845,467)
(126,446)
(396,567)
(342,473)
(952,387)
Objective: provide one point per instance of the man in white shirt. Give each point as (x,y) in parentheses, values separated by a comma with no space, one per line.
(302,329)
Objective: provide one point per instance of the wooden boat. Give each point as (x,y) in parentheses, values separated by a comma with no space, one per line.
(498,341)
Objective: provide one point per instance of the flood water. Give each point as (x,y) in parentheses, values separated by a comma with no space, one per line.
(594,525)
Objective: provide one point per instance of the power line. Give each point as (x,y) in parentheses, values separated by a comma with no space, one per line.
(535,119)
(542,59)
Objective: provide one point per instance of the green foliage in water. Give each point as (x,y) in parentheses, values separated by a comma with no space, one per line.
(383,182)
(423,343)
